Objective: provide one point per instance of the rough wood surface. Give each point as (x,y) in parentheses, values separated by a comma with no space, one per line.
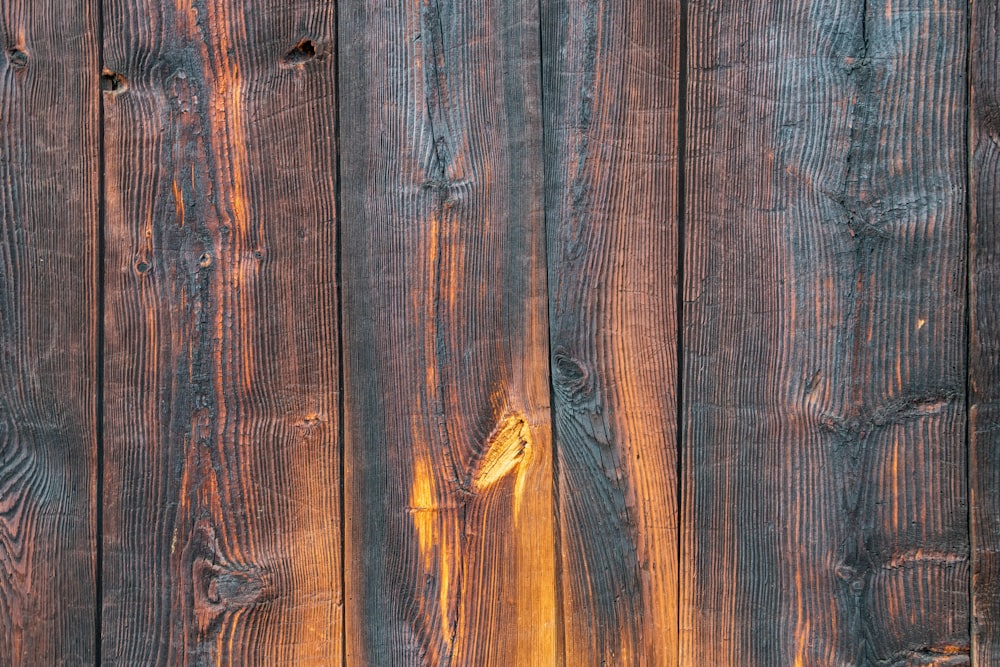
(825,499)
(49,248)
(800,468)
(984,349)
(222,525)
(610,98)
(450,545)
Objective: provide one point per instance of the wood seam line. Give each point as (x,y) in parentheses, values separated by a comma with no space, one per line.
(553,428)
(99,346)
(338,278)
(682,83)
(969,222)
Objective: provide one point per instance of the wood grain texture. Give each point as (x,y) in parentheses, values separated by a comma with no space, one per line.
(610,99)
(984,319)
(825,498)
(49,247)
(450,544)
(222,525)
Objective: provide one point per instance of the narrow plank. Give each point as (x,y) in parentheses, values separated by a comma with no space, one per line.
(825,498)
(222,524)
(611,94)
(49,248)
(984,339)
(449,535)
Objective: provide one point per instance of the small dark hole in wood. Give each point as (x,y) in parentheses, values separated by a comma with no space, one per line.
(17,57)
(142,267)
(303,51)
(112,82)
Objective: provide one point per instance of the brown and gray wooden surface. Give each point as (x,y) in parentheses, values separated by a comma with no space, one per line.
(500,332)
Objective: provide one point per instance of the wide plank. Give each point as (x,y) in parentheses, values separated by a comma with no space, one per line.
(984,334)
(824,460)
(611,74)
(49,306)
(449,529)
(222,511)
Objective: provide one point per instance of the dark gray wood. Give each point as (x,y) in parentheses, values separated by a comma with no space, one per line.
(825,510)
(984,348)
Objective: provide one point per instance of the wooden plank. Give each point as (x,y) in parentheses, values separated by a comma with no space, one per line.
(49,248)
(222,450)
(611,96)
(825,497)
(449,535)
(984,320)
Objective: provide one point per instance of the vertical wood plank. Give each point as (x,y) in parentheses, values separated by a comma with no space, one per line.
(610,99)
(984,339)
(222,527)
(825,505)
(49,247)
(450,547)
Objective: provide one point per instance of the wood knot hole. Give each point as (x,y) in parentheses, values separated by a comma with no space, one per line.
(113,82)
(18,58)
(221,587)
(572,377)
(303,52)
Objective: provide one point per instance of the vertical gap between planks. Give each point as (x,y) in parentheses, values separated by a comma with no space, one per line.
(338,279)
(556,524)
(969,221)
(99,343)
(682,83)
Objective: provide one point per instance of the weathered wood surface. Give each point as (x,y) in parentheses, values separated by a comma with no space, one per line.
(611,97)
(984,348)
(798,469)
(222,493)
(49,249)
(450,528)
(825,498)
